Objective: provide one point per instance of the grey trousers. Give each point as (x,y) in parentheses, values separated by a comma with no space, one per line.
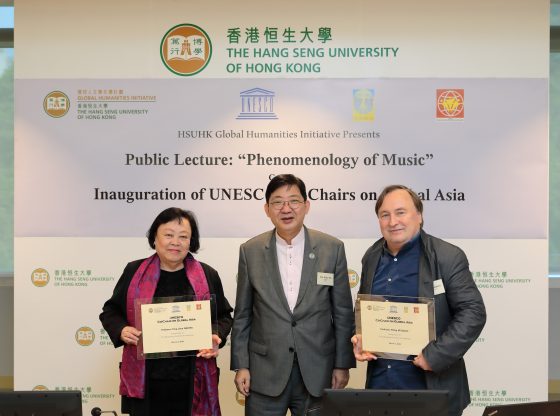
(295,397)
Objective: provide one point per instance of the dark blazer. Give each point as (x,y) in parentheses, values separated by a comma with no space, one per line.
(266,333)
(460,313)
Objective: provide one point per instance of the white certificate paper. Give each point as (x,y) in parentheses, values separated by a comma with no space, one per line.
(394,327)
(176,326)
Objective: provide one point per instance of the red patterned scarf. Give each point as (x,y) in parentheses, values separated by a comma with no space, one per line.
(133,370)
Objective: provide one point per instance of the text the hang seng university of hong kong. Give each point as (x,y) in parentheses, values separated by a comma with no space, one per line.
(255,50)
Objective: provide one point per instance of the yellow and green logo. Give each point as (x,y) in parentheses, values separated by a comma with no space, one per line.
(186,49)
(363,104)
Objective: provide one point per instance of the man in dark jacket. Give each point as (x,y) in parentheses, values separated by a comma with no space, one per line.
(409,262)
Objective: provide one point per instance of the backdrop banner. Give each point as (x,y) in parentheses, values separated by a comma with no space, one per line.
(136,106)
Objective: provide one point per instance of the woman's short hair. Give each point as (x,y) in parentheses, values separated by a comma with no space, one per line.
(282,180)
(175,214)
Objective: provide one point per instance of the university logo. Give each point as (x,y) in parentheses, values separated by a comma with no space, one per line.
(56,104)
(450,104)
(186,49)
(85,336)
(353,278)
(363,107)
(40,277)
(257,104)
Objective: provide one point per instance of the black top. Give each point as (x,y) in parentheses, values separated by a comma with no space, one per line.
(179,368)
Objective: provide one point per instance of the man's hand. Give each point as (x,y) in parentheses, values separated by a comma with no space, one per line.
(243,381)
(420,361)
(340,377)
(358,353)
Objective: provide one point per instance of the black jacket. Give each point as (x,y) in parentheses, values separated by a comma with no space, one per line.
(460,313)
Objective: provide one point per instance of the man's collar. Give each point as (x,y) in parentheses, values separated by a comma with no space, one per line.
(300,237)
(413,242)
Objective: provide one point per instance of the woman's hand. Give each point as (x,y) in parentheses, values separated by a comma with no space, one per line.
(214,351)
(130,335)
(358,353)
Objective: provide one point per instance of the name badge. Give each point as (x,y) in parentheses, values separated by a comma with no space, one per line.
(325,279)
(438,287)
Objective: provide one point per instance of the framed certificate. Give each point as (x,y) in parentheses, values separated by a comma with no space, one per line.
(174,326)
(396,327)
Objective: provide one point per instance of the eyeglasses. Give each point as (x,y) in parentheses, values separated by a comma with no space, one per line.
(292,203)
